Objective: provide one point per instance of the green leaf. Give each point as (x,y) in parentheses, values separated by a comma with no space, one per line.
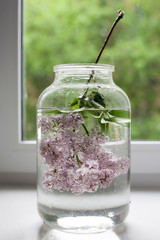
(98,98)
(93,100)
(120,113)
(74,102)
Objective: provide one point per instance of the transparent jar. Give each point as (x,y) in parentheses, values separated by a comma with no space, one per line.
(83,150)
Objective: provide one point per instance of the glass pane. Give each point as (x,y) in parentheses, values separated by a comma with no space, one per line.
(69,31)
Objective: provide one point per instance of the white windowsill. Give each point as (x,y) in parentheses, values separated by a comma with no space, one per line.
(20,220)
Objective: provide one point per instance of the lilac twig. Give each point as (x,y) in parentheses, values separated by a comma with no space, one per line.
(120,16)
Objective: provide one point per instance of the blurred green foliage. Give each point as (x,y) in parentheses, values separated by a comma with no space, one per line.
(70,31)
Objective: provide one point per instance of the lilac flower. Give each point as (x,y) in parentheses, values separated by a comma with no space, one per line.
(64,121)
(76,162)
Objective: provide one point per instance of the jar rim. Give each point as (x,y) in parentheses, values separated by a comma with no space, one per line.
(86,66)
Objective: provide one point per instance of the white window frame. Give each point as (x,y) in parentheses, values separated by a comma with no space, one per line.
(18,158)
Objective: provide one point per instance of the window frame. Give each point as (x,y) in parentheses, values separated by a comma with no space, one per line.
(19,157)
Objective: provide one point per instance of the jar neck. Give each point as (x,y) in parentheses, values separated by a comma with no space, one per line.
(83,74)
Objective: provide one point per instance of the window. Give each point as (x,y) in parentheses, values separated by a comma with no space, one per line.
(19,155)
(17,158)
(57,32)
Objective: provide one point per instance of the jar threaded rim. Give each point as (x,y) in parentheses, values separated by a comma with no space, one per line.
(87,66)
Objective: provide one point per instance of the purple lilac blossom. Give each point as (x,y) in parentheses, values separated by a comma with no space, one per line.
(78,163)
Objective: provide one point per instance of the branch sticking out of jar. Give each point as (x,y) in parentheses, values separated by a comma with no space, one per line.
(82,101)
(120,16)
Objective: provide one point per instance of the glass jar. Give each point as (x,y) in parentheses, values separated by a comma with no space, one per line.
(83,150)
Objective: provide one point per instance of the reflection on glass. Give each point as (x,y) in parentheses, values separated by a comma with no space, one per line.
(51,234)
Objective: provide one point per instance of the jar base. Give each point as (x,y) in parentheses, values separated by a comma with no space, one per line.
(94,221)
